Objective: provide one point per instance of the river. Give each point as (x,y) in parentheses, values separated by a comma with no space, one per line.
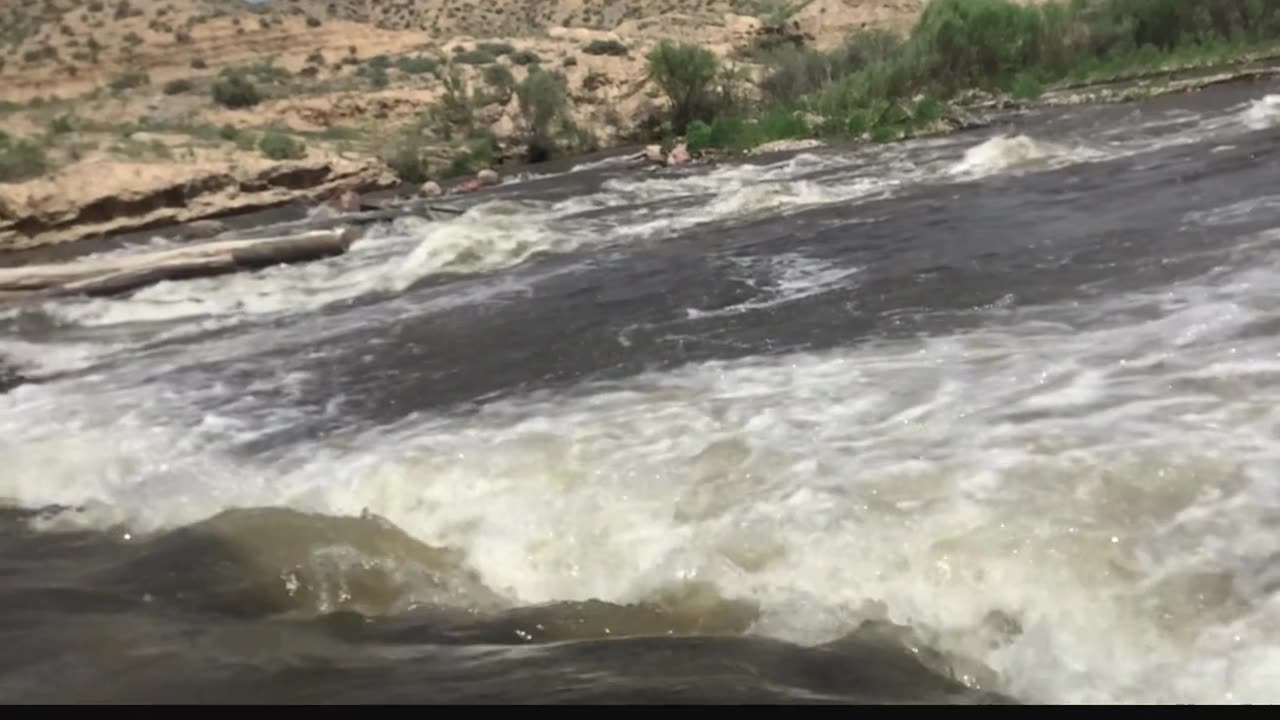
(990,417)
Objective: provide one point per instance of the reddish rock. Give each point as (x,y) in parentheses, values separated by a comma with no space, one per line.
(346,201)
(679,155)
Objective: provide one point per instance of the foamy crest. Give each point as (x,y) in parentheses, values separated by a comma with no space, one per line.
(488,237)
(1262,113)
(485,239)
(1017,152)
(1089,512)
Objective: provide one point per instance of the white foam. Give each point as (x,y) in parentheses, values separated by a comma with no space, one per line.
(488,237)
(1262,113)
(788,278)
(1111,489)
(34,358)
(1005,153)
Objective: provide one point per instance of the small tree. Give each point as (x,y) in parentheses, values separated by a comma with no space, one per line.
(687,75)
(542,100)
(455,112)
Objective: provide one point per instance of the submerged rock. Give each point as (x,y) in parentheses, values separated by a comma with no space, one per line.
(488,177)
(430,188)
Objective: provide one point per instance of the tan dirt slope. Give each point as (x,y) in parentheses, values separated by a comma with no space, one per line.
(87,79)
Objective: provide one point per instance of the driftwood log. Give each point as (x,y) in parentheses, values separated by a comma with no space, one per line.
(367,215)
(119,274)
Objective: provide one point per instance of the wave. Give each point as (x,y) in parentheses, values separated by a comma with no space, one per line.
(1263,113)
(1007,153)
(1086,512)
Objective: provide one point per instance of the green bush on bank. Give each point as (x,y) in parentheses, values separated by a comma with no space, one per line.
(882,86)
(20,159)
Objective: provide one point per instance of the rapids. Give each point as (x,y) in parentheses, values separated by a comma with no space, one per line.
(979,418)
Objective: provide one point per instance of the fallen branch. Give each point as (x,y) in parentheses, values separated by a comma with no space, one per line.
(114,275)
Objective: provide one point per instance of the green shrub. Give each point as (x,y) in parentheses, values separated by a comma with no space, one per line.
(279,146)
(482,148)
(698,136)
(570,61)
(313,21)
(417,65)
(199,64)
(501,81)
(20,160)
(377,76)
(475,57)
(605,47)
(404,156)
(61,125)
(1026,87)
(495,49)
(782,125)
(265,71)
(179,86)
(525,57)
(408,165)
(128,81)
(454,112)
(229,133)
(686,74)
(459,166)
(381,62)
(978,43)
(236,91)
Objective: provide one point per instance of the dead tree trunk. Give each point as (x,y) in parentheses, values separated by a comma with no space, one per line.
(114,275)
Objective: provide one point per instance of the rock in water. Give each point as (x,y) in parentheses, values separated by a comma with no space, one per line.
(488,177)
(430,188)
(653,154)
(679,155)
(347,201)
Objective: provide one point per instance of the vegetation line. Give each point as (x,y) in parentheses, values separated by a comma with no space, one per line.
(880,86)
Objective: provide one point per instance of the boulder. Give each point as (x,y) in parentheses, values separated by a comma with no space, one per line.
(653,153)
(430,188)
(488,178)
(679,155)
(346,201)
